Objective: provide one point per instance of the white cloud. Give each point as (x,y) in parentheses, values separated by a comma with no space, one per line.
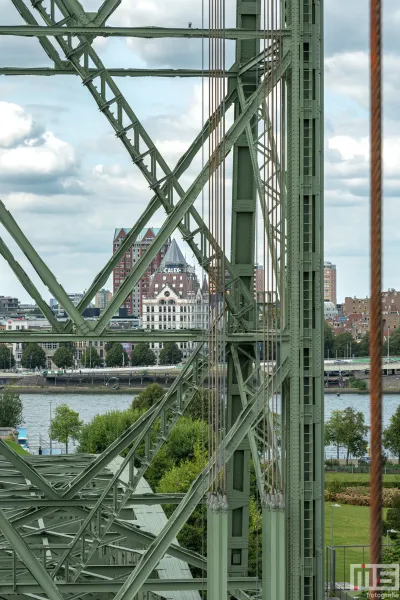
(43,157)
(15,124)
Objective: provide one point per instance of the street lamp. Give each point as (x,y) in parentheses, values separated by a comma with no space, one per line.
(388,345)
(332,522)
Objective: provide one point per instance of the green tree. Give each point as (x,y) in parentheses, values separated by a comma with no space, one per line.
(152,394)
(346,428)
(33,356)
(345,345)
(10,409)
(170,354)
(90,358)
(200,406)
(363,345)
(391,435)
(69,345)
(180,446)
(329,340)
(116,356)
(394,344)
(63,357)
(104,429)
(65,426)
(142,355)
(7,360)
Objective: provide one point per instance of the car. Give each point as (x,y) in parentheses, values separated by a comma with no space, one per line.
(364,460)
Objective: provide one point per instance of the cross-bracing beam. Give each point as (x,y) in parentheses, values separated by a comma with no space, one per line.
(156,550)
(125,112)
(41,268)
(29,285)
(138,32)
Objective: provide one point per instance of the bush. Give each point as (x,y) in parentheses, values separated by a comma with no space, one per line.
(97,435)
(393,515)
(360,496)
(332,462)
(358,384)
(333,488)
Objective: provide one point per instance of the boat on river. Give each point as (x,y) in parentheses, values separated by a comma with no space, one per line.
(23,440)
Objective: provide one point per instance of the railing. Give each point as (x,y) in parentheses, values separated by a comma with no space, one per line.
(338,560)
(387,469)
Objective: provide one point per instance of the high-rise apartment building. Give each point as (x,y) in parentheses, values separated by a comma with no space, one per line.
(103,297)
(133,303)
(330,282)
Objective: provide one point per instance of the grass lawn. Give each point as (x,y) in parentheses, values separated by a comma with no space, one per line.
(330,476)
(16,447)
(351,527)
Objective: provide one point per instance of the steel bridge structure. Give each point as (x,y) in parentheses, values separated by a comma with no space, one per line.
(69,524)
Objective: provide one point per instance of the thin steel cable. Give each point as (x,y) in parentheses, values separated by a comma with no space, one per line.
(376,286)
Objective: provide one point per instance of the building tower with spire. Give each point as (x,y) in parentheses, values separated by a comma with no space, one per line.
(175,299)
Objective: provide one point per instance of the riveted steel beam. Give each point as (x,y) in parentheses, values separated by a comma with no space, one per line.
(137,32)
(230,443)
(105,11)
(188,199)
(123,72)
(111,587)
(22,550)
(131,335)
(29,286)
(27,470)
(41,268)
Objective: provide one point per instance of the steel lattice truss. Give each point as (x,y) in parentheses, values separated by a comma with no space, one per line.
(70,525)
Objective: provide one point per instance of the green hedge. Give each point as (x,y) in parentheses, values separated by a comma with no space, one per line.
(346,484)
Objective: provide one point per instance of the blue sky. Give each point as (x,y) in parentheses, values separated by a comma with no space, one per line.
(69,182)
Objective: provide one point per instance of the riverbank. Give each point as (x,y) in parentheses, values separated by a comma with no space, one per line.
(71,390)
(337,390)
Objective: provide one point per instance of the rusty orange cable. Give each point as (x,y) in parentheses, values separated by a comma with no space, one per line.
(376,286)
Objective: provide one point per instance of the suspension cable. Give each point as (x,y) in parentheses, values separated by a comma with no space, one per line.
(376,286)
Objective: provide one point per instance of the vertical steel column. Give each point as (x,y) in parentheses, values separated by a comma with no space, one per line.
(217,535)
(303,396)
(243,234)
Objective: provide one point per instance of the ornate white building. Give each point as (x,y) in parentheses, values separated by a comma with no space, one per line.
(175,299)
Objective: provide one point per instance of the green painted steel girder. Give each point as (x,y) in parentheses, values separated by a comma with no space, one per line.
(29,286)
(129,335)
(22,550)
(245,420)
(123,72)
(137,32)
(7,220)
(105,11)
(86,501)
(27,470)
(151,585)
(180,209)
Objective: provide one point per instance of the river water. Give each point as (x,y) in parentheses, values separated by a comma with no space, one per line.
(37,409)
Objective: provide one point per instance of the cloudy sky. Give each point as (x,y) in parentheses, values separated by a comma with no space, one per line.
(69,183)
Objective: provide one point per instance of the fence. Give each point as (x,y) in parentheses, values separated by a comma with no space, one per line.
(338,562)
